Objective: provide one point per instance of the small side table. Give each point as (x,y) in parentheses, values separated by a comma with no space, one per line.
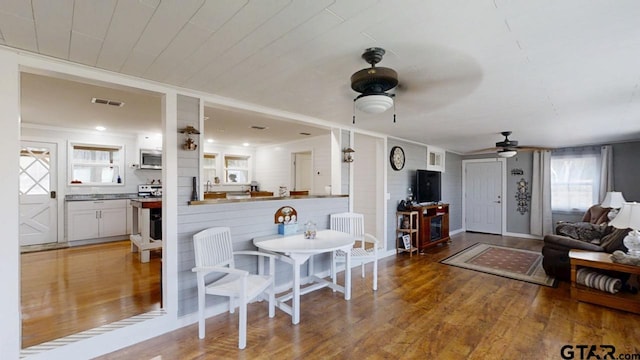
(600,260)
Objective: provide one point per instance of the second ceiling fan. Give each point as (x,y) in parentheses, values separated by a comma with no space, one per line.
(508,148)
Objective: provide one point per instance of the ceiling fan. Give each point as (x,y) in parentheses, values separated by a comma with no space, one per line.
(508,148)
(373,85)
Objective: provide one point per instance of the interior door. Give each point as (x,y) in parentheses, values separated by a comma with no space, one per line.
(302,164)
(483,197)
(38,203)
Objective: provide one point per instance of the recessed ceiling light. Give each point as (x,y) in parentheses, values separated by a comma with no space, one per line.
(101,128)
(209,140)
(245,144)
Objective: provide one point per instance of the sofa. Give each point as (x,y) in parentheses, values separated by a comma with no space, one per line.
(555,250)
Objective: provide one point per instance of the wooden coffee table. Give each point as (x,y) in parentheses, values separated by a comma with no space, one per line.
(598,260)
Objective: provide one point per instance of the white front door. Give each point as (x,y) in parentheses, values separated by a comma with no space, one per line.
(38,203)
(483,196)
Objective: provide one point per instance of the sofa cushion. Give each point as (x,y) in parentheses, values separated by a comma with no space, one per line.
(596,214)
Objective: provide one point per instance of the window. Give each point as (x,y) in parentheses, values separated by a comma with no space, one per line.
(209,172)
(575,181)
(236,169)
(95,164)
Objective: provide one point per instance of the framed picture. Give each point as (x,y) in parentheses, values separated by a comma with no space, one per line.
(406,239)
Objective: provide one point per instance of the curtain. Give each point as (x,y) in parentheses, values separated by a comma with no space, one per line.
(575,178)
(606,171)
(541,217)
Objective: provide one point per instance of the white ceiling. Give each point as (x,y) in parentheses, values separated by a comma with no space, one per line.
(556,73)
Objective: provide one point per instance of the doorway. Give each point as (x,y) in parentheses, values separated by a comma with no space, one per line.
(38,199)
(484,192)
(302,171)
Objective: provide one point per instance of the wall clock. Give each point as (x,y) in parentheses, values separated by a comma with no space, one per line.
(397,158)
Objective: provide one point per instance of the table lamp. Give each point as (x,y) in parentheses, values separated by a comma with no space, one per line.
(613,200)
(629,217)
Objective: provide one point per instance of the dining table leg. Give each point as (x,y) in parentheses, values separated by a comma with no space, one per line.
(295,302)
(298,260)
(347,276)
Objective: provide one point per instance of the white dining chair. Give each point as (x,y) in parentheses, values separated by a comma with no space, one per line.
(353,223)
(214,254)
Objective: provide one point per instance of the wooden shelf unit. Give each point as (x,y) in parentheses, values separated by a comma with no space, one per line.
(598,260)
(433,222)
(412,230)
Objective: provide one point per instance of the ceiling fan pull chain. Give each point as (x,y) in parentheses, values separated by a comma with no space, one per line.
(394,112)
(354,111)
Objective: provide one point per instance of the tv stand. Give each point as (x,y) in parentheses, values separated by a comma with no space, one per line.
(433,225)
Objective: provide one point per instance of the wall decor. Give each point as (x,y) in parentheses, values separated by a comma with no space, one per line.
(517,172)
(523,196)
(396,158)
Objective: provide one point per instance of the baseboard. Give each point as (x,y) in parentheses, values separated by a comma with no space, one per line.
(526,236)
(454,232)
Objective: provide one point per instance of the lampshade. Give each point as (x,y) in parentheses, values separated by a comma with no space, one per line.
(613,199)
(507,153)
(628,217)
(374,104)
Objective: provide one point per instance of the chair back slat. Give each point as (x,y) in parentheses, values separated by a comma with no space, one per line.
(351,223)
(213,247)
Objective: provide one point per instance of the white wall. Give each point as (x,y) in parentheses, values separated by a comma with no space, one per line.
(9,250)
(273,164)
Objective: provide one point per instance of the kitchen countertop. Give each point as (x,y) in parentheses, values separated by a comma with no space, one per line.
(93,197)
(147,203)
(261,198)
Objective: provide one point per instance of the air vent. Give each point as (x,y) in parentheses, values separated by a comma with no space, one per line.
(305,133)
(107,102)
(256,127)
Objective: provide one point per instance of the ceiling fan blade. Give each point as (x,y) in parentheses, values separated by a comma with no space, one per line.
(485,150)
(531,148)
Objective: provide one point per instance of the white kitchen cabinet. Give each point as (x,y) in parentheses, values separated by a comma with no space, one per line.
(96,219)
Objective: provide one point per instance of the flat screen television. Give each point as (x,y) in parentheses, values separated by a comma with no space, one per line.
(428,186)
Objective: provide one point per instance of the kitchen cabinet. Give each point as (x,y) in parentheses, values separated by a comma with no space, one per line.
(96,219)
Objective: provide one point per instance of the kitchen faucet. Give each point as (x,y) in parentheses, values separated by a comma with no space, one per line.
(208,185)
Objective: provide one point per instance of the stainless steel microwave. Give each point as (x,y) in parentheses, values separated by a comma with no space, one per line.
(150,159)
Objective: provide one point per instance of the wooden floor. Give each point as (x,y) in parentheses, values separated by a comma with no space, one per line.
(422,310)
(79,288)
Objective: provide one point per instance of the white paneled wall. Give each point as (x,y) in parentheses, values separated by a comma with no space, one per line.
(247,220)
(273,164)
(366,178)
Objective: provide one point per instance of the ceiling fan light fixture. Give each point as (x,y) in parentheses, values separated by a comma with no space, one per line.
(374,103)
(506,153)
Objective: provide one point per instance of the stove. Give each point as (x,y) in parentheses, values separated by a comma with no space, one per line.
(150,190)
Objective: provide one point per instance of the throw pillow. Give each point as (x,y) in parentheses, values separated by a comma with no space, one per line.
(613,241)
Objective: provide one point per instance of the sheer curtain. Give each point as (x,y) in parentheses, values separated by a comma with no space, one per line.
(606,171)
(541,216)
(575,178)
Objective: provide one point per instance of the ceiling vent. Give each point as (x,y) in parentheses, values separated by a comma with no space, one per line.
(107,102)
(256,127)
